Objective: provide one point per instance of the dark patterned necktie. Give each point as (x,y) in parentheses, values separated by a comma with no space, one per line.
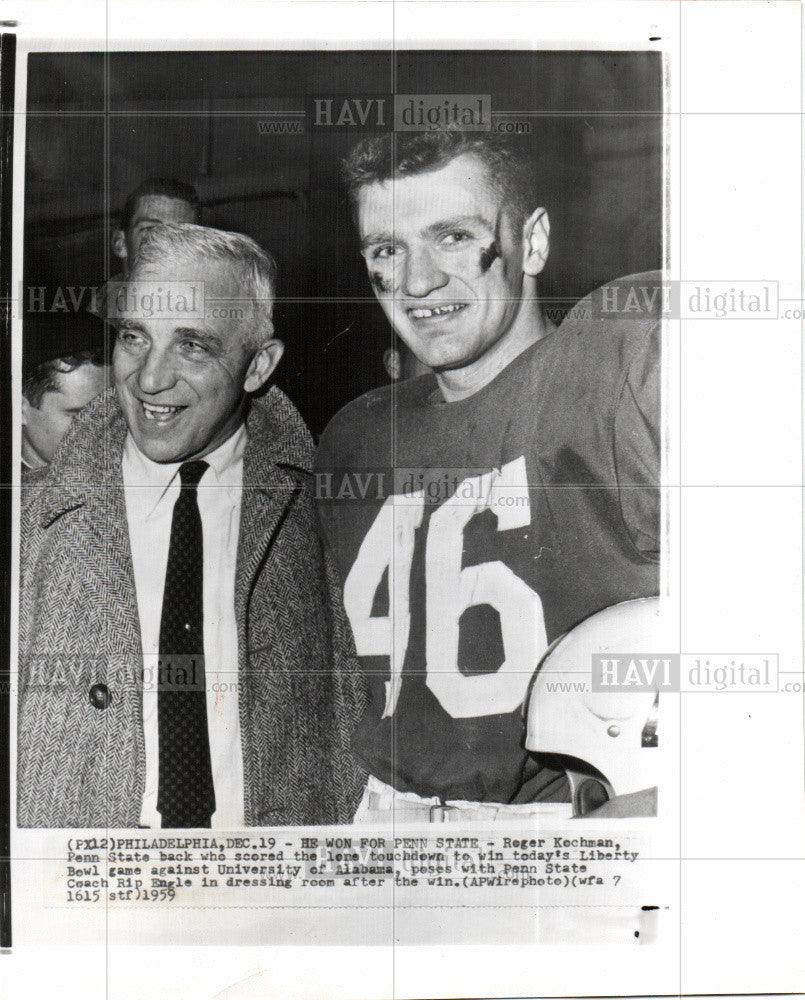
(186,794)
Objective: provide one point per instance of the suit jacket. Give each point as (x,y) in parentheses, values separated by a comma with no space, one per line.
(300,690)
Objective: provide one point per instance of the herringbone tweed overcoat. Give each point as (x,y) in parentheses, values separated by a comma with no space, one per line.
(300,688)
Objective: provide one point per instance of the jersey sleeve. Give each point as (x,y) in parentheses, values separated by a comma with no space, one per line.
(637,444)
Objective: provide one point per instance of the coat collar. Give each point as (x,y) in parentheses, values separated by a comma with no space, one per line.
(278,438)
(277,465)
(87,462)
(279,453)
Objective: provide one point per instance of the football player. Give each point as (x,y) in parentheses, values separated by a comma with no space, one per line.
(506,496)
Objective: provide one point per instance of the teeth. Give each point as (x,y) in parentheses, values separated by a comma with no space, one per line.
(435,311)
(159,412)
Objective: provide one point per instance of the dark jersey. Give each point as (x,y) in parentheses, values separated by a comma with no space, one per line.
(471,534)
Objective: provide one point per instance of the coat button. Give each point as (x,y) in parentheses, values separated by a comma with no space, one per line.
(99,696)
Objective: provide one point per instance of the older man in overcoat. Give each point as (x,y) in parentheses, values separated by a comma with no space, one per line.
(184,655)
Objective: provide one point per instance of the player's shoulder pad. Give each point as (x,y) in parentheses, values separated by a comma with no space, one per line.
(612,334)
(623,310)
(352,424)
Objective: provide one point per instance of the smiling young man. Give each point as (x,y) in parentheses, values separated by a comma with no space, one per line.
(510,494)
(184,658)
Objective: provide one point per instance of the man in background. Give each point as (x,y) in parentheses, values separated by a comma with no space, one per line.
(157,200)
(65,365)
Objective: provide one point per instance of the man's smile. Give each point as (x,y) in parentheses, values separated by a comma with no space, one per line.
(160,413)
(435,312)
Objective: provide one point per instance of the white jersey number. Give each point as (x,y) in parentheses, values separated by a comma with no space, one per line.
(450,590)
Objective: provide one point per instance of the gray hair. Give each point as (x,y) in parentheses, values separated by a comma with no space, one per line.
(255,269)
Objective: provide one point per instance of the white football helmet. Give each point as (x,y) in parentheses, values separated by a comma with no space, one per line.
(615,733)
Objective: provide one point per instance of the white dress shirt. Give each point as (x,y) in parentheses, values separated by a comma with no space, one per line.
(151,490)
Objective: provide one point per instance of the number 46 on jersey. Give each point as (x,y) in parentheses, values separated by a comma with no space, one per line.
(450,590)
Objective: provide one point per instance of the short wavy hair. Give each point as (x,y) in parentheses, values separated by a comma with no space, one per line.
(165,187)
(391,155)
(255,269)
(45,377)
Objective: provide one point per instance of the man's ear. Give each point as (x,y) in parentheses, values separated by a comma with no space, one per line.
(26,411)
(392,363)
(119,244)
(536,241)
(263,364)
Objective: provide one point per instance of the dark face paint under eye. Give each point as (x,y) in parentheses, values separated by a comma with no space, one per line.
(489,256)
(378,282)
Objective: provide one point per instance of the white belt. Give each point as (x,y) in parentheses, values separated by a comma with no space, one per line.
(409,807)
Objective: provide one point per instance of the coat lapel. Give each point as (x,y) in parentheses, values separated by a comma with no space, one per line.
(278,457)
(109,550)
(262,510)
(87,478)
